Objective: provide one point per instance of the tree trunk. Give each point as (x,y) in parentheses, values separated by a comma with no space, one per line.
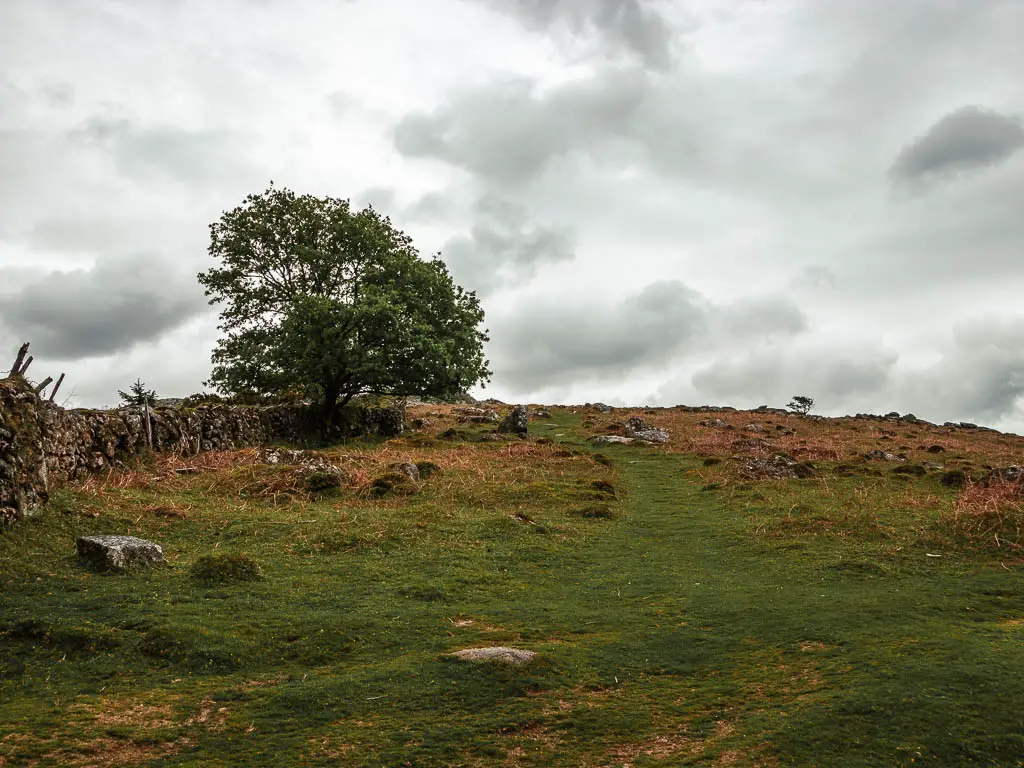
(327,412)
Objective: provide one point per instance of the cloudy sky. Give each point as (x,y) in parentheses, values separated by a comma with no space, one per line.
(684,201)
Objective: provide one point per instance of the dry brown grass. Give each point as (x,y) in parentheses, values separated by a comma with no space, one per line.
(832,439)
(988,515)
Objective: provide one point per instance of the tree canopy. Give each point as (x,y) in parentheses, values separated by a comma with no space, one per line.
(331,302)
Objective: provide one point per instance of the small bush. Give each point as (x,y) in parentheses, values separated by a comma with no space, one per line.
(222,568)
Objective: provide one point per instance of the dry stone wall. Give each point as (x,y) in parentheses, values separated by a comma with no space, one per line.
(43,446)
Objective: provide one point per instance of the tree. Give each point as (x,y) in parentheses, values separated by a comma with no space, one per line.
(801,404)
(335,303)
(137,394)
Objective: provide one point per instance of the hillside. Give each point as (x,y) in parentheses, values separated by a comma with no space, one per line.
(762,589)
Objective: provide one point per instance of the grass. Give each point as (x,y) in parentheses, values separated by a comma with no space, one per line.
(849,618)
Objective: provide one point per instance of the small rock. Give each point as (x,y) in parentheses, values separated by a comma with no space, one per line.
(408,469)
(119,552)
(752,428)
(542,415)
(717,423)
(881,456)
(516,421)
(1011,474)
(502,655)
(641,430)
(611,440)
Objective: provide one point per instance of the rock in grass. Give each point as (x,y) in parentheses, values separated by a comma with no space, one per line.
(611,440)
(119,552)
(500,655)
(407,468)
(641,430)
(516,421)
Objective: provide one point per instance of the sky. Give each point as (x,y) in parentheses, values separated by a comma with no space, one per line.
(664,202)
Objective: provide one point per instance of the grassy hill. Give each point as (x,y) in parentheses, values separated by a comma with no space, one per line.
(687,608)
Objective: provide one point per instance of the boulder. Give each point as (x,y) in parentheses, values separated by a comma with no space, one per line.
(611,440)
(641,430)
(516,421)
(408,469)
(752,428)
(501,655)
(119,552)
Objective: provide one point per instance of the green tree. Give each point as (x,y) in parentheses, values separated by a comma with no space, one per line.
(137,394)
(335,303)
(801,404)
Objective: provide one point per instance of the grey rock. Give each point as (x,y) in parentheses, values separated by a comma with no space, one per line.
(612,440)
(516,422)
(716,423)
(500,655)
(542,415)
(408,469)
(752,428)
(641,430)
(119,552)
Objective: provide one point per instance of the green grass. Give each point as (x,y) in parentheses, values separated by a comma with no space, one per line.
(787,623)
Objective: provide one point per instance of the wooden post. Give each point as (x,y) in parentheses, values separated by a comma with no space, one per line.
(45,383)
(26,365)
(16,368)
(149,428)
(56,386)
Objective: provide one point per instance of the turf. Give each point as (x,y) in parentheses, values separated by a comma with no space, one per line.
(796,622)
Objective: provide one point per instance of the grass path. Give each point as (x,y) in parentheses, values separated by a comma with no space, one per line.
(680,631)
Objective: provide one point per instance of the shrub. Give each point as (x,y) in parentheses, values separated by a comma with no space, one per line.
(801,404)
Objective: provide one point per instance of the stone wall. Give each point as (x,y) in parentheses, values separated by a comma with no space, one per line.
(43,446)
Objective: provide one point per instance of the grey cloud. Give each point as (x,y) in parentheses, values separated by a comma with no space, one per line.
(381,198)
(503,249)
(183,155)
(980,376)
(632,25)
(965,139)
(509,132)
(814,277)
(773,374)
(765,317)
(110,308)
(555,344)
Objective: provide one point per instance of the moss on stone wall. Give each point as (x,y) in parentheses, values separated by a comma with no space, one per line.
(43,445)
